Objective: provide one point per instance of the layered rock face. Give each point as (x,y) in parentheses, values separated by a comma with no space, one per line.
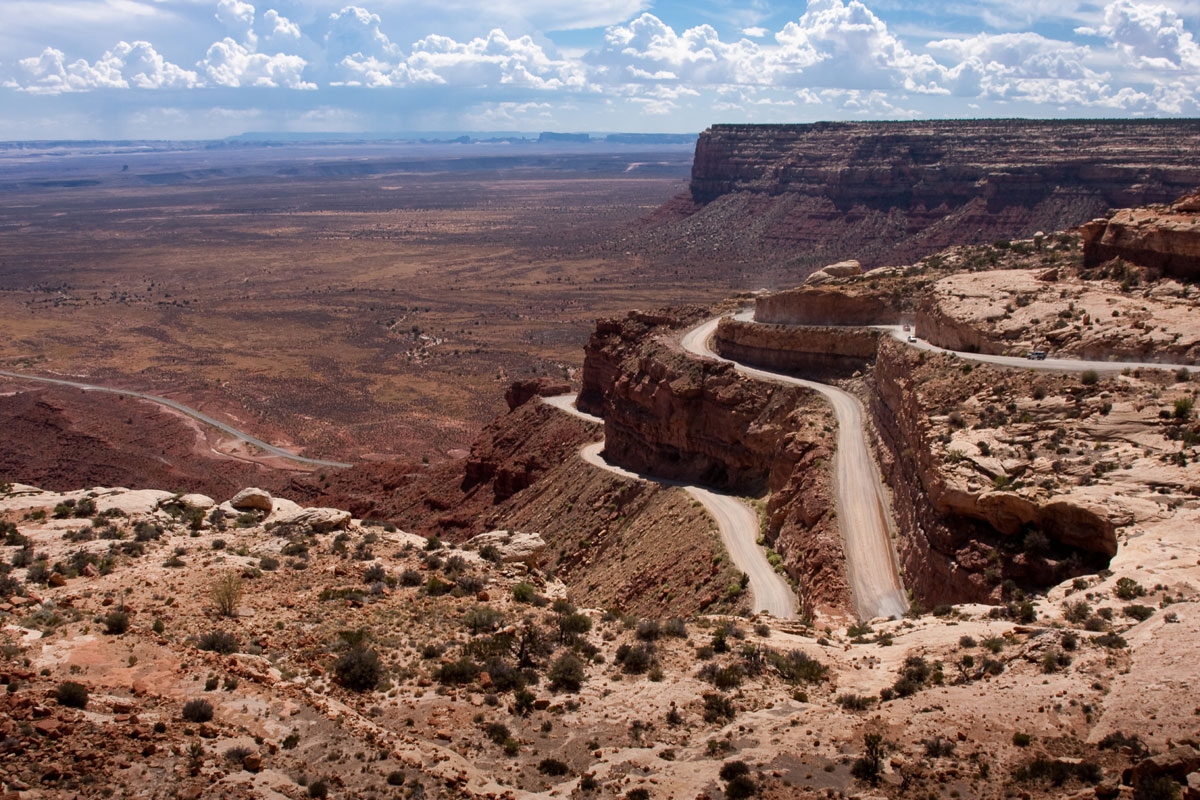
(893,192)
(813,351)
(672,415)
(1164,238)
(825,305)
(949,536)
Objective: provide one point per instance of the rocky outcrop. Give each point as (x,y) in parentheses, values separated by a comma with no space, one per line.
(252,499)
(521,392)
(812,351)
(826,305)
(511,547)
(614,345)
(950,537)
(675,416)
(1163,238)
(893,192)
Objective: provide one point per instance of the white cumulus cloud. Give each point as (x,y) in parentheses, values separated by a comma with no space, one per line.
(1150,36)
(137,65)
(281,26)
(231,64)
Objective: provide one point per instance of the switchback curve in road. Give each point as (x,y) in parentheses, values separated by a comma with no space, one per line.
(737,524)
(862,508)
(191,412)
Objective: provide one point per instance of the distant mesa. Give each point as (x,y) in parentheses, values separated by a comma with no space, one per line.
(792,198)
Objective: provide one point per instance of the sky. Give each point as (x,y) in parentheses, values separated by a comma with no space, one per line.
(202,69)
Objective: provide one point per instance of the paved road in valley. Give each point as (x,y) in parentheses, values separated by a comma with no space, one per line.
(191,412)
(863,513)
(736,521)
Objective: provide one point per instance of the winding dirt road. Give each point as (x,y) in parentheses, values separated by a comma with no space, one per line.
(1018,362)
(862,507)
(737,524)
(191,412)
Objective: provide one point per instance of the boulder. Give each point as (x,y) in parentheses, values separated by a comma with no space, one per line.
(283,511)
(1176,763)
(252,498)
(201,502)
(321,520)
(135,501)
(843,269)
(514,547)
(817,278)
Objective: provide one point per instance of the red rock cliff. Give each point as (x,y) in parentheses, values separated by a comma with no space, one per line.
(893,192)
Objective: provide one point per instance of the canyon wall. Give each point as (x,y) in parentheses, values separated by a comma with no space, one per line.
(817,352)
(1165,238)
(801,196)
(826,305)
(669,414)
(949,537)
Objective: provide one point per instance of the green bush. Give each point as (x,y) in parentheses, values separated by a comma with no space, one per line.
(358,669)
(567,673)
(552,766)
(71,694)
(523,592)
(198,710)
(116,623)
(218,641)
(1128,589)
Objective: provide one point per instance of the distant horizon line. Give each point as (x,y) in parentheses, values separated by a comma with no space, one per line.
(568,137)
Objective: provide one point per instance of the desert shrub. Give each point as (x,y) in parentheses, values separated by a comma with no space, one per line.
(677,627)
(552,766)
(1077,611)
(1021,739)
(198,710)
(218,641)
(937,747)
(854,702)
(738,783)
(318,789)
(470,584)
(1139,612)
(396,777)
(638,794)
(567,673)
(462,671)
(717,707)
(524,592)
(648,630)
(723,677)
(1089,377)
(435,586)
(1057,772)
(635,659)
(1054,659)
(869,765)
(116,623)
(1110,640)
(358,669)
(237,754)
(1183,407)
(796,666)
(226,593)
(483,619)
(1118,740)
(523,700)
(1069,640)
(375,573)
(411,577)
(1158,787)
(268,563)
(497,731)
(71,694)
(489,552)
(1128,589)
(967,641)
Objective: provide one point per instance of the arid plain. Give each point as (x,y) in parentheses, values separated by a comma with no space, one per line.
(348,301)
